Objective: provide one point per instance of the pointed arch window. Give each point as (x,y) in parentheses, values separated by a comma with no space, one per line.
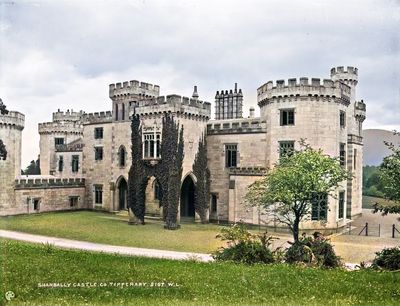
(122,156)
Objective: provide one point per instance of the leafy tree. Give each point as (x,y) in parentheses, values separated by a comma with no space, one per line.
(3,151)
(390,177)
(293,185)
(3,108)
(202,173)
(33,168)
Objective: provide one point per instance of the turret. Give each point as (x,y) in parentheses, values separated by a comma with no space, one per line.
(348,77)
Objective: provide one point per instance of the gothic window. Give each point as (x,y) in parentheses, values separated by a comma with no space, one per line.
(287,117)
(319,207)
(98,133)
(122,156)
(342,154)
(342,119)
(123,112)
(58,141)
(151,145)
(214,202)
(75,163)
(116,112)
(60,163)
(286,148)
(98,153)
(98,194)
(341,205)
(231,155)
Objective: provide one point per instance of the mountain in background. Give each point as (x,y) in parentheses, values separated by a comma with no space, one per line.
(374,148)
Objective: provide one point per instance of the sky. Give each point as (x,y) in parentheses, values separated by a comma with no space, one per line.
(64,54)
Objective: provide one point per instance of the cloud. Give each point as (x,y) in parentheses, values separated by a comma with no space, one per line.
(64,54)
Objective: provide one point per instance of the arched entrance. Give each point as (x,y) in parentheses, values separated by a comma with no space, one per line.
(187,197)
(122,194)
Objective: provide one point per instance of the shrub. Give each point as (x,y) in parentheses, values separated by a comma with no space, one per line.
(244,247)
(388,259)
(313,250)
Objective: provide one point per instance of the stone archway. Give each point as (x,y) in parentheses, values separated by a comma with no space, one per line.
(187,198)
(122,188)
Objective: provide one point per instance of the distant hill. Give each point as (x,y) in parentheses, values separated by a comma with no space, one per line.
(374,148)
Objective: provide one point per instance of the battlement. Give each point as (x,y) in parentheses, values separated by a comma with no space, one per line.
(238,126)
(98,117)
(67,116)
(14,119)
(303,87)
(60,127)
(341,69)
(133,88)
(349,74)
(41,183)
(173,103)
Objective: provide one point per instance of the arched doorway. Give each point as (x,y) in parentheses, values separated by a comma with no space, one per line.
(187,197)
(122,194)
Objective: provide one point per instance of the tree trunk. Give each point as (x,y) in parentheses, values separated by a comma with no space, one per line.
(296,223)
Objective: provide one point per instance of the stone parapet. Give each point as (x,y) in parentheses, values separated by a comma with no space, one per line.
(67,116)
(60,127)
(14,119)
(356,139)
(41,183)
(98,117)
(133,88)
(172,103)
(241,126)
(303,87)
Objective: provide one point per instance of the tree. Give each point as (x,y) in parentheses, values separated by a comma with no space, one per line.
(202,173)
(390,177)
(33,168)
(3,108)
(3,151)
(290,189)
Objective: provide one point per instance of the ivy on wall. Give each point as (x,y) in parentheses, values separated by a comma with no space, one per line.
(168,171)
(202,173)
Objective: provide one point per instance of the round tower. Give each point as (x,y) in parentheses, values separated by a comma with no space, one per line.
(11,126)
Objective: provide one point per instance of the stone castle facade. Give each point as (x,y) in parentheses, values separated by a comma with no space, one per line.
(85,158)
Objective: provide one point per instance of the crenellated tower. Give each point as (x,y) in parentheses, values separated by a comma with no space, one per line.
(65,128)
(11,126)
(326,113)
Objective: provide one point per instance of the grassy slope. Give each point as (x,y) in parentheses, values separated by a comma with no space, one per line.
(25,265)
(114,230)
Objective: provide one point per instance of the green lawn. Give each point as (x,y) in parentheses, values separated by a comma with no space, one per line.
(114,229)
(96,279)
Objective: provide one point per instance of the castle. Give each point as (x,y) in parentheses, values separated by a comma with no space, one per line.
(85,158)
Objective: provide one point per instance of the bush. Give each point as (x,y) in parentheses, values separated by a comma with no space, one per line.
(244,247)
(388,259)
(313,250)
